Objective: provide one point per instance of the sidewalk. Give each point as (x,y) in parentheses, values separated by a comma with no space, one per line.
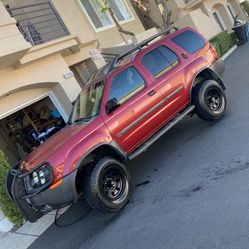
(23,237)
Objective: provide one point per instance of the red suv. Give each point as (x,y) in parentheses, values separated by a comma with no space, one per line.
(123,109)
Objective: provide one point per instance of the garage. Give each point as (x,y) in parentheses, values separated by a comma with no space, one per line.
(30,125)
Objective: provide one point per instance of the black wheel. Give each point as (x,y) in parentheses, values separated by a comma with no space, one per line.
(210,100)
(107,185)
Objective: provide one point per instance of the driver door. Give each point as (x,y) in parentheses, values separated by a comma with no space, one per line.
(134,119)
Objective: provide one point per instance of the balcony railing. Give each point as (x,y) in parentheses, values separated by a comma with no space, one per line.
(39,23)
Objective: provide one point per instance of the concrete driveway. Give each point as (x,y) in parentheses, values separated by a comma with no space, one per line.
(192,186)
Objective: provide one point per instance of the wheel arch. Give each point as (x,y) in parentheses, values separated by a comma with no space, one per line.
(205,74)
(96,153)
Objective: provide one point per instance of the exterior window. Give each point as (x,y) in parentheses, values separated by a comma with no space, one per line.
(126,84)
(171,57)
(120,10)
(159,61)
(189,41)
(102,19)
(93,9)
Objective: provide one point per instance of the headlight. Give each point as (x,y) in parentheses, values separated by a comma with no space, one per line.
(38,179)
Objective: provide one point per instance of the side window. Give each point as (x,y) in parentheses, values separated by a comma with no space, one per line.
(172,58)
(126,84)
(189,41)
(159,61)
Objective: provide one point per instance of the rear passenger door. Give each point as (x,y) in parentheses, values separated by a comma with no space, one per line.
(167,73)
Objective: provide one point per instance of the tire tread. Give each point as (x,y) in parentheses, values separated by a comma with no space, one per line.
(91,193)
(200,111)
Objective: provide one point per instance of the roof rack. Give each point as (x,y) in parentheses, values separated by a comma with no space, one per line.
(140,46)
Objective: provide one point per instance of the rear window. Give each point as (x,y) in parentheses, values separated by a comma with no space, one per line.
(159,61)
(189,41)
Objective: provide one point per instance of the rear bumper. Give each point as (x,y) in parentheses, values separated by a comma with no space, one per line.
(36,205)
(219,67)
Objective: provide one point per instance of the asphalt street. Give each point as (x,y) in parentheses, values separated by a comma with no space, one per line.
(191,188)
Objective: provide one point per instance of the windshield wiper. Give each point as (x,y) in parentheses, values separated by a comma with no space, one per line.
(82,119)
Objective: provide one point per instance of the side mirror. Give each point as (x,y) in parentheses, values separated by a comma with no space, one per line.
(111,105)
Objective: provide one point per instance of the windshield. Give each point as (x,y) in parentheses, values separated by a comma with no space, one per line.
(88,103)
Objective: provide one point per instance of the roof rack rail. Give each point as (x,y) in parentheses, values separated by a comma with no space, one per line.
(140,46)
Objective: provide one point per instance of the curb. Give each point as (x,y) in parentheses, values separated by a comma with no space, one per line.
(229,52)
(28,232)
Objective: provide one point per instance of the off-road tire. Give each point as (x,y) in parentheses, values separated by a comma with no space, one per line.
(209,99)
(95,185)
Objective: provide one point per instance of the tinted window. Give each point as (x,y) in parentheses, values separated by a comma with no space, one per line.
(88,103)
(189,41)
(126,84)
(159,60)
(171,57)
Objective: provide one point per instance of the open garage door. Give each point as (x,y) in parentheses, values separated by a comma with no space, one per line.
(27,122)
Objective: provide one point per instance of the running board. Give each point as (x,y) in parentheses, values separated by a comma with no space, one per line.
(161,132)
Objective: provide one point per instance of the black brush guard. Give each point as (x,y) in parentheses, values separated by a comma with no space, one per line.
(16,191)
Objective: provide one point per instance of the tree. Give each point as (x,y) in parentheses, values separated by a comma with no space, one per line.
(165,12)
(143,6)
(106,7)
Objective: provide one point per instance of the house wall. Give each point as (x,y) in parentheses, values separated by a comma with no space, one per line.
(47,70)
(207,27)
(201,13)
(173,6)
(85,31)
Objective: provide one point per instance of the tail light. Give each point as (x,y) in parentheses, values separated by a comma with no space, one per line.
(214,52)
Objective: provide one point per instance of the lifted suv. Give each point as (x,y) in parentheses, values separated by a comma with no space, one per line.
(123,109)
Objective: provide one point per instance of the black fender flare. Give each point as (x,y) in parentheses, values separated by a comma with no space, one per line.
(212,74)
(113,148)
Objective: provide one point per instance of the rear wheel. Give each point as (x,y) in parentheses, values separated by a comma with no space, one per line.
(107,185)
(209,100)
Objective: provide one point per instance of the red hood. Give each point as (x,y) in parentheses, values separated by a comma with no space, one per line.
(42,153)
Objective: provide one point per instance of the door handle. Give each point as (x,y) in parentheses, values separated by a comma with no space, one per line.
(152,92)
(184,55)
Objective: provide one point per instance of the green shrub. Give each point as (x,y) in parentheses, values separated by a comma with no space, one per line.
(234,38)
(223,42)
(245,5)
(217,47)
(7,205)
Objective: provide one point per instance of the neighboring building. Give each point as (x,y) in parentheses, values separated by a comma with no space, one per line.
(207,16)
(48,49)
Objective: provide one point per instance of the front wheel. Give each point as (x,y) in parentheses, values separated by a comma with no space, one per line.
(210,100)
(107,185)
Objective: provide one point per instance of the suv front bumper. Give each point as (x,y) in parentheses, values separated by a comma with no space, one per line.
(36,205)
